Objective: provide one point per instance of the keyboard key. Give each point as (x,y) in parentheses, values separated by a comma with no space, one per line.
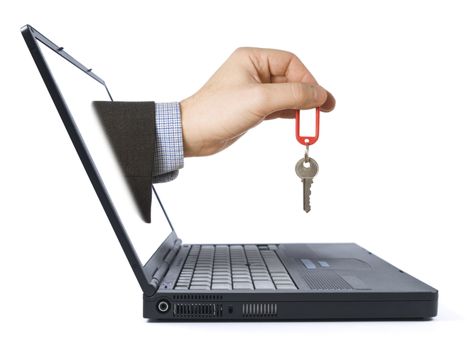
(201,281)
(241,280)
(221,279)
(204,281)
(262,278)
(221,286)
(282,280)
(221,270)
(279,274)
(260,274)
(200,287)
(285,286)
(243,285)
(264,285)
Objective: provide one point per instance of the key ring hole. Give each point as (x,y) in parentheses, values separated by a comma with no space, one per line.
(306,164)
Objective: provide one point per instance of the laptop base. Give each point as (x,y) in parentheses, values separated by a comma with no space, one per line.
(279,307)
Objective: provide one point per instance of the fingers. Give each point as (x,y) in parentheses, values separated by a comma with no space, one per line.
(327,106)
(282,96)
(285,113)
(276,66)
(330,103)
(286,82)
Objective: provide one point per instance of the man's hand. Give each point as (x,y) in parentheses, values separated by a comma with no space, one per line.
(251,86)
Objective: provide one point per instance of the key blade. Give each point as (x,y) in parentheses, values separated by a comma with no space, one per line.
(306,171)
(307,194)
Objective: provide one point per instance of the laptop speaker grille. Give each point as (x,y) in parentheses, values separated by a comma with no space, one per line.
(252,310)
(325,280)
(195,310)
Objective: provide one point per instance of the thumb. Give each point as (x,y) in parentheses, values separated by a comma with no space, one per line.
(280,96)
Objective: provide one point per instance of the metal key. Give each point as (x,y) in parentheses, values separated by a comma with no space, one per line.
(306,169)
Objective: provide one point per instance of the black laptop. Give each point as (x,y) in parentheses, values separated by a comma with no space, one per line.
(220,282)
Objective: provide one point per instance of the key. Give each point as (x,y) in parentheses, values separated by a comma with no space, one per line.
(286,286)
(221,286)
(243,285)
(306,173)
(264,285)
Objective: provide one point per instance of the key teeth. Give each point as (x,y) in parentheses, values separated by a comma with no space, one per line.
(307,196)
(307,175)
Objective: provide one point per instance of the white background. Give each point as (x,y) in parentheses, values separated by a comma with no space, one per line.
(392,164)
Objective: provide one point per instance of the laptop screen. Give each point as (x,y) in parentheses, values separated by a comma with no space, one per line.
(79,90)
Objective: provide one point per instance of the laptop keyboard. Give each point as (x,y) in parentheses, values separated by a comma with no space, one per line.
(232,267)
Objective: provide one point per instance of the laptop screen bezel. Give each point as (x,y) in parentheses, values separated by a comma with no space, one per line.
(143,273)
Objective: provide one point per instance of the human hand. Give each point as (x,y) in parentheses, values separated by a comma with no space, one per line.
(251,86)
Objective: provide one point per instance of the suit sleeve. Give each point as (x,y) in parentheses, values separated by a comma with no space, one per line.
(129,127)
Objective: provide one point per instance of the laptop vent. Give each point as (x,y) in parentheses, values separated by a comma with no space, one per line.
(197,310)
(197,297)
(259,310)
(325,280)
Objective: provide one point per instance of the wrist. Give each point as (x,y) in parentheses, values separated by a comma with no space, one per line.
(201,132)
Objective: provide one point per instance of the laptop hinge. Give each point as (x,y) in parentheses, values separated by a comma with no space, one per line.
(161,271)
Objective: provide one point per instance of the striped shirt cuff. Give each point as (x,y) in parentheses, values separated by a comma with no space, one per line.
(168,158)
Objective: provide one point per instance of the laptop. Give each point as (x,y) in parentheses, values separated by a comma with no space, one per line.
(220,282)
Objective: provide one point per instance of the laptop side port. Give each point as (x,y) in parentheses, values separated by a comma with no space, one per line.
(163,306)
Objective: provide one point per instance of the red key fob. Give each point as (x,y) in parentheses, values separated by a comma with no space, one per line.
(306,140)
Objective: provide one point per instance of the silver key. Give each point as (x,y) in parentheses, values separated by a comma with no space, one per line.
(306,173)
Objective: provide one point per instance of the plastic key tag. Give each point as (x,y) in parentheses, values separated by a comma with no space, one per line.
(303,139)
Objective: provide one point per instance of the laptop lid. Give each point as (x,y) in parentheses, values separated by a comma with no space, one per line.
(73,87)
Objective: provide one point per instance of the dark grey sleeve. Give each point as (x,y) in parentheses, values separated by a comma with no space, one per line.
(129,127)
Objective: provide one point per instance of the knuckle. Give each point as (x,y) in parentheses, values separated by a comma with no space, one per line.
(292,55)
(240,51)
(299,93)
